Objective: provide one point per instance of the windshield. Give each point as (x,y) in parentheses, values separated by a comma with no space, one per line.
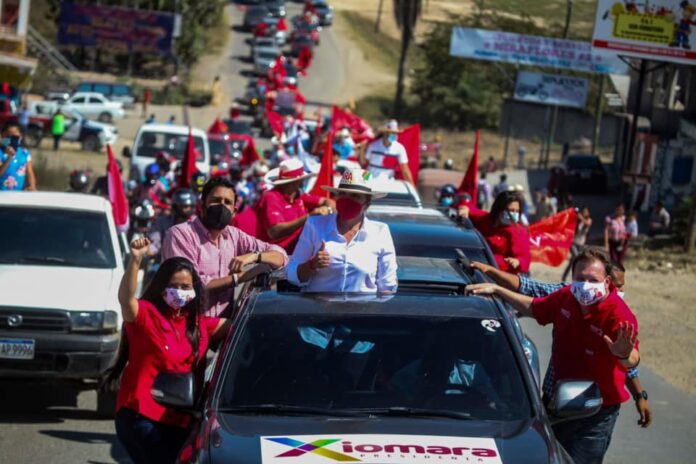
(217,147)
(347,363)
(151,143)
(57,237)
(583,162)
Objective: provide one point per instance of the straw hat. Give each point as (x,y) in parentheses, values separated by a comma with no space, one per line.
(391,126)
(355,181)
(290,170)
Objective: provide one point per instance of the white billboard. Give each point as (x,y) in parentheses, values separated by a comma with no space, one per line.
(661,30)
(533,50)
(551,89)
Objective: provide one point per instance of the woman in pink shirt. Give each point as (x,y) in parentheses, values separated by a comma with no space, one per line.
(615,237)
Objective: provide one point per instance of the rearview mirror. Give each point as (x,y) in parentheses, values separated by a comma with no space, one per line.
(575,399)
(174,390)
(126,152)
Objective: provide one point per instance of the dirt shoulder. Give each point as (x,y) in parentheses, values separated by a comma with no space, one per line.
(662,300)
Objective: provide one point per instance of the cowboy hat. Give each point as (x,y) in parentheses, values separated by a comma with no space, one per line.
(355,181)
(290,170)
(391,126)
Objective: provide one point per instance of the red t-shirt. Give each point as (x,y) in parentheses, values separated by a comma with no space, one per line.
(506,241)
(155,347)
(579,350)
(274,208)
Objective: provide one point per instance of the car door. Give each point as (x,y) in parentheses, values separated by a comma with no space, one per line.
(79,103)
(97,104)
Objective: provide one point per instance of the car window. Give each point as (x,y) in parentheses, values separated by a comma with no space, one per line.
(583,163)
(104,89)
(96,99)
(217,147)
(84,87)
(151,143)
(44,236)
(120,90)
(79,100)
(370,362)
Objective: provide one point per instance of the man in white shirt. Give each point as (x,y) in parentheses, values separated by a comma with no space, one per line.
(383,156)
(345,252)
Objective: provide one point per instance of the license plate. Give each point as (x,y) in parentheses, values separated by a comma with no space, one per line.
(12,348)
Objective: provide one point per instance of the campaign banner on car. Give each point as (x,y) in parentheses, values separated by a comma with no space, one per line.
(533,50)
(382,449)
(661,30)
(119,30)
(551,89)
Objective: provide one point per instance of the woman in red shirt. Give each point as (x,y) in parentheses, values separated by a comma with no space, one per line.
(165,331)
(507,237)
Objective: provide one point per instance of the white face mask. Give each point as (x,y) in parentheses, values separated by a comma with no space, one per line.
(621,294)
(588,293)
(510,217)
(177,298)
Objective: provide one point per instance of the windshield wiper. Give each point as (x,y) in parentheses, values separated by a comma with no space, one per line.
(404,411)
(47,260)
(273,408)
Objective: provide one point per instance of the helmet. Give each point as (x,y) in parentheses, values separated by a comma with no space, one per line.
(152,170)
(78,180)
(449,164)
(184,197)
(446,194)
(145,211)
(198,180)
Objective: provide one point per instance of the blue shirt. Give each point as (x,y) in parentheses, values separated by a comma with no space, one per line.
(344,150)
(15,176)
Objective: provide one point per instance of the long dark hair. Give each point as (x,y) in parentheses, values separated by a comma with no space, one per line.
(153,294)
(502,201)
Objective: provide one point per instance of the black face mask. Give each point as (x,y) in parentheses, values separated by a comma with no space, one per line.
(217,217)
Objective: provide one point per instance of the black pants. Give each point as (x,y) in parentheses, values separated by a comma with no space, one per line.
(56,141)
(148,441)
(587,440)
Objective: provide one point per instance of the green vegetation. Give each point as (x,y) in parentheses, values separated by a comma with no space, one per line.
(377,47)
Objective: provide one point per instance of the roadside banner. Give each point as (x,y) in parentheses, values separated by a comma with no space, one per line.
(531,50)
(116,29)
(661,30)
(550,238)
(551,89)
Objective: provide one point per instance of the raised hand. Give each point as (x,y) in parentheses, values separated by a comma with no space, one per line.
(322,259)
(625,340)
(138,248)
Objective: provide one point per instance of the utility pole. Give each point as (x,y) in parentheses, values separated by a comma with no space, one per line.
(598,115)
(554,113)
(379,16)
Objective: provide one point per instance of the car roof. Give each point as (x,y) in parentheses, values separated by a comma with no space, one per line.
(176,129)
(275,303)
(56,200)
(88,94)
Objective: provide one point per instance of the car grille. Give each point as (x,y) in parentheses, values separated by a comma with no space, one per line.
(44,320)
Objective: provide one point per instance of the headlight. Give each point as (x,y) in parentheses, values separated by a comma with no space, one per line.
(86,321)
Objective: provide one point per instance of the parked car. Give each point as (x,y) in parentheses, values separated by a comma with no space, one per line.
(94,106)
(64,245)
(170,138)
(59,95)
(261,42)
(585,174)
(254,15)
(299,42)
(303,29)
(324,11)
(423,373)
(264,59)
(92,135)
(113,91)
(276,8)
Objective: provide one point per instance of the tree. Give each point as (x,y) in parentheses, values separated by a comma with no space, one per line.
(406,14)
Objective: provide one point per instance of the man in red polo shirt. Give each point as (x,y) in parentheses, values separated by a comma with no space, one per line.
(594,338)
(282,211)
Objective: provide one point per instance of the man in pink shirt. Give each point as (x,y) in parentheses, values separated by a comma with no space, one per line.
(284,210)
(219,251)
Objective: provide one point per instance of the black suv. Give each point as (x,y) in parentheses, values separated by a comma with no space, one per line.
(418,375)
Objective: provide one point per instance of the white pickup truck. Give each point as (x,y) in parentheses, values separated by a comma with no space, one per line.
(60,267)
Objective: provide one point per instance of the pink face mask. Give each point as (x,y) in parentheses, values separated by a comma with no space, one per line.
(348,208)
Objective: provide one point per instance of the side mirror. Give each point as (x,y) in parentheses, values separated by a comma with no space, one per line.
(174,390)
(575,399)
(126,152)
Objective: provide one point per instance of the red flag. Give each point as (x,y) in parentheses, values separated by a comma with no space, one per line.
(550,238)
(188,164)
(117,196)
(249,154)
(410,139)
(218,127)
(470,182)
(317,131)
(326,174)
(359,128)
(275,120)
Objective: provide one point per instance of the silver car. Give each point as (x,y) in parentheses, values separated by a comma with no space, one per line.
(264,59)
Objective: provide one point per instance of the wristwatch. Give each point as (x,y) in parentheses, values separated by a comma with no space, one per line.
(643,394)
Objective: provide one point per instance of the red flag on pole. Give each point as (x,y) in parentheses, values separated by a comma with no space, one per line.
(218,127)
(326,172)
(117,196)
(410,139)
(550,238)
(470,182)
(275,120)
(359,128)
(188,164)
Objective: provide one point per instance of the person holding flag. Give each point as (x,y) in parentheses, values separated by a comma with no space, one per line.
(383,156)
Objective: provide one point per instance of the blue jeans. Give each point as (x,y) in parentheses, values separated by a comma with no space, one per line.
(148,441)
(587,440)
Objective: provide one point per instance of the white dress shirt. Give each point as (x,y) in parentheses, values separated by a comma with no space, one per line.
(365,265)
(383,161)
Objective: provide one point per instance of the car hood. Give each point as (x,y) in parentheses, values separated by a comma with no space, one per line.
(245,440)
(99,125)
(56,287)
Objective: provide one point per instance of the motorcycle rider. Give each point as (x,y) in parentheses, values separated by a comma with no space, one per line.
(79,181)
(141,220)
(183,208)
(446,195)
